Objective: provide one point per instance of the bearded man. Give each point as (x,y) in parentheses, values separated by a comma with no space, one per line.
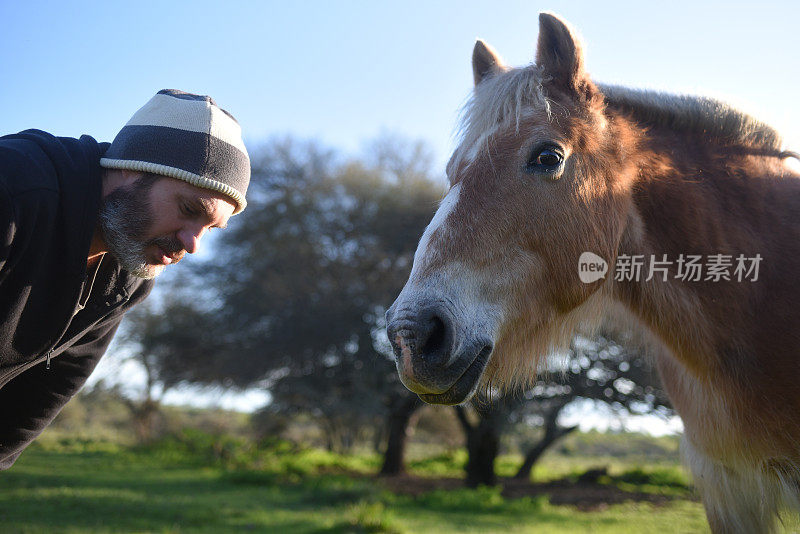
(84,229)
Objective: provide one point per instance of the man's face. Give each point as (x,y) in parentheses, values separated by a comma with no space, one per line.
(149,223)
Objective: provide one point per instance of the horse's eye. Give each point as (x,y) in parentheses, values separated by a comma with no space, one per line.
(545,160)
(548,158)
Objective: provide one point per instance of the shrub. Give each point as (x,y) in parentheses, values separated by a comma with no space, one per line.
(371,517)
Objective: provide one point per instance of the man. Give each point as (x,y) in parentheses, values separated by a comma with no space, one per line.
(85,227)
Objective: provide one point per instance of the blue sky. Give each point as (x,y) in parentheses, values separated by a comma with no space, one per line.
(344,71)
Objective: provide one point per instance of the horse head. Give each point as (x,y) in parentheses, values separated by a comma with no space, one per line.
(538,179)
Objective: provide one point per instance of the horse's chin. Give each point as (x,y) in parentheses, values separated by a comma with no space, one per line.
(466,385)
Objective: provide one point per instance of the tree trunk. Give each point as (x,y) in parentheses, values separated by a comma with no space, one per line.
(398,425)
(143,416)
(379,431)
(552,433)
(483,444)
(329,431)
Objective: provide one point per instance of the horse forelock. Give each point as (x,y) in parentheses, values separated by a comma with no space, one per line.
(499,100)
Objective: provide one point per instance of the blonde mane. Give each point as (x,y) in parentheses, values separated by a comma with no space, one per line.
(503,97)
(689,113)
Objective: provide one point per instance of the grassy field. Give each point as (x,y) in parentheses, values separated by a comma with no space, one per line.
(205,484)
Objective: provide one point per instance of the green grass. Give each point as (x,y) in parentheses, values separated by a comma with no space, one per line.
(205,484)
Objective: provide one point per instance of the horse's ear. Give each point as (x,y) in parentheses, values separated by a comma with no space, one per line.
(485,61)
(559,52)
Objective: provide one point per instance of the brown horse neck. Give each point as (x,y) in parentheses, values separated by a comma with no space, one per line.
(697,196)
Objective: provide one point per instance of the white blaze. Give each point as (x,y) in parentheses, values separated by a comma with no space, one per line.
(456,283)
(439,219)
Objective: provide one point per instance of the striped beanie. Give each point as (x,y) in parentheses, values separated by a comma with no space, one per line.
(185,136)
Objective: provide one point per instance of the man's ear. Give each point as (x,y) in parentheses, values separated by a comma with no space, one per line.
(129,177)
(113,179)
(485,61)
(560,54)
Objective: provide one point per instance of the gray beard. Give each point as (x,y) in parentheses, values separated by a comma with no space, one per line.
(125,217)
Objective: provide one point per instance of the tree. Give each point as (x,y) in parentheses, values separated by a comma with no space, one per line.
(157,335)
(403,405)
(598,369)
(552,432)
(294,294)
(483,437)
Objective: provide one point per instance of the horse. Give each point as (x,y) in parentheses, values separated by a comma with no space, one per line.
(575,205)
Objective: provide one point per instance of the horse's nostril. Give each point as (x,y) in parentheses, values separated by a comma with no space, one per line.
(421,340)
(434,337)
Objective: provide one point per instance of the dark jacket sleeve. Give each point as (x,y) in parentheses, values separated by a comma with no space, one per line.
(32,400)
(7,227)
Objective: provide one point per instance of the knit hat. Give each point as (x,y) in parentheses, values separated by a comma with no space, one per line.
(185,136)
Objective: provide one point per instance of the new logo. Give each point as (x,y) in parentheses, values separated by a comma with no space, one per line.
(591,267)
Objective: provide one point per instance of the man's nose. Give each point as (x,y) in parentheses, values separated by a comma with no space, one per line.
(190,238)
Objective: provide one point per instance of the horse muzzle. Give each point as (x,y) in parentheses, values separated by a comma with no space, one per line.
(437,357)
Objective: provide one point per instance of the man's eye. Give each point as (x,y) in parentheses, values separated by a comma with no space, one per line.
(188,210)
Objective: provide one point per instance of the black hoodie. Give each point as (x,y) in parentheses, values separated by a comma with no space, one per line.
(51,339)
